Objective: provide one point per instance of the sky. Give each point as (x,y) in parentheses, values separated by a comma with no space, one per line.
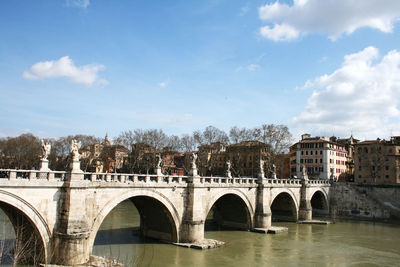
(324,67)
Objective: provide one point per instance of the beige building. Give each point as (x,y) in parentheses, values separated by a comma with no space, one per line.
(377,161)
(323,157)
(103,157)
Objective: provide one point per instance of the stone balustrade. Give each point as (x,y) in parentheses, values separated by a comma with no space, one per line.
(12,174)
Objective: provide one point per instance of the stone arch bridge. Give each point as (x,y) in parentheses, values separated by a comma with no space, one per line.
(64,210)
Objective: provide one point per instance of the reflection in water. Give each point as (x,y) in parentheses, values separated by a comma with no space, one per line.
(340,244)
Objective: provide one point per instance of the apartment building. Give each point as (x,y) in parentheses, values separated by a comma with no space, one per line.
(377,161)
(323,157)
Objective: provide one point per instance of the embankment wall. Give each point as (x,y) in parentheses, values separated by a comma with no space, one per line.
(370,202)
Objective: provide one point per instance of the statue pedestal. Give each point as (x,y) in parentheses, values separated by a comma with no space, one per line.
(76,169)
(193,172)
(44,165)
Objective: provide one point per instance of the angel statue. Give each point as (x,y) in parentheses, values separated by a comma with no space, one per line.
(46,147)
(159,161)
(194,158)
(75,146)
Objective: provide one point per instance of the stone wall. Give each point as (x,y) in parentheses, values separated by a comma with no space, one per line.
(379,202)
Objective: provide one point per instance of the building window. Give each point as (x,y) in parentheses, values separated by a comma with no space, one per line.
(359,168)
(301,160)
(306,152)
(320,152)
(311,152)
(387,176)
(387,168)
(320,160)
(316,160)
(302,152)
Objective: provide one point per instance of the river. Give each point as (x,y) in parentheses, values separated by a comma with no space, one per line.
(346,243)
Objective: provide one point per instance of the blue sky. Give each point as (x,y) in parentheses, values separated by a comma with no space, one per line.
(96,67)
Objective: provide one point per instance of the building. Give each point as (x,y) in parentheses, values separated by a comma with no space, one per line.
(282,162)
(103,157)
(323,157)
(377,161)
(212,159)
(244,158)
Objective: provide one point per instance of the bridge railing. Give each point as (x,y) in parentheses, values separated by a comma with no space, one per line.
(318,182)
(32,175)
(11,174)
(227,180)
(284,181)
(135,178)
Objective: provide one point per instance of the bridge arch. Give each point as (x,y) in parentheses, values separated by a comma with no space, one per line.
(139,198)
(30,221)
(234,207)
(319,202)
(284,206)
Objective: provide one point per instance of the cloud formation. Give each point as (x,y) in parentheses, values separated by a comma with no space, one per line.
(331,17)
(78,3)
(361,96)
(65,67)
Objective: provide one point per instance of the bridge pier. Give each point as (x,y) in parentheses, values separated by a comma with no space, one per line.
(263,215)
(192,228)
(305,209)
(71,234)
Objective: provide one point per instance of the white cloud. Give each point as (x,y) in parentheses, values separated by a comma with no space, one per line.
(331,17)
(280,32)
(163,84)
(64,67)
(78,3)
(362,96)
(251,67)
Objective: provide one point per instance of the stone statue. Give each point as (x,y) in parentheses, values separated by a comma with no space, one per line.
(228,169)
(46,147)
(304,175)
(228,165)
(261,173)
(194,158)
(75,146)
(273,171)
(159,161)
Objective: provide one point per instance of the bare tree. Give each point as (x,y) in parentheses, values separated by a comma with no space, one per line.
(21,152)
(237,135)
(188,143)
(278,137)
(174,142)
(126,139)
